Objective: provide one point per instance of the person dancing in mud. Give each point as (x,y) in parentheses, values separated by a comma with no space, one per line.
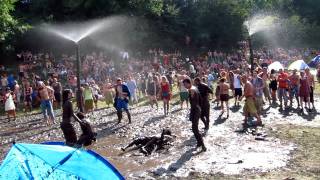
(67,112)
(204,90)
(122,100)
(148,145)
(195,111)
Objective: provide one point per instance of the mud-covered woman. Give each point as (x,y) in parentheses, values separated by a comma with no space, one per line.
(67,113)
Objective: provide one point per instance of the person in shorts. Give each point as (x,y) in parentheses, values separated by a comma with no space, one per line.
(249,107)
(224,95)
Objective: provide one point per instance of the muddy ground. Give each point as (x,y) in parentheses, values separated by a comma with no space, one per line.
(288,146)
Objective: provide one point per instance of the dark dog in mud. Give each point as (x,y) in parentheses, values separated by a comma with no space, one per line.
(148,145)
(88,136)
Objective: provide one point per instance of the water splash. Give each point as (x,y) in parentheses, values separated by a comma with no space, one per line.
(78,31)
(261,23)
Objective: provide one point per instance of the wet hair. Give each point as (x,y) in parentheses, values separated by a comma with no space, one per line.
(65,95)
(197,79)
(80,115)
(186,81)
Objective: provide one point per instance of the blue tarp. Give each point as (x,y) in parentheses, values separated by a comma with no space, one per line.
(55,161)
(315,61)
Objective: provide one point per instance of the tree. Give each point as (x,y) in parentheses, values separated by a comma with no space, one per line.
(8,23)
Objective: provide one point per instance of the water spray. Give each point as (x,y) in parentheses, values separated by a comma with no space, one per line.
(256,24)
(75,32)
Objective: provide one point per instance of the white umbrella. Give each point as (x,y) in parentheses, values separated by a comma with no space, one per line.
(276,66)
(298,65)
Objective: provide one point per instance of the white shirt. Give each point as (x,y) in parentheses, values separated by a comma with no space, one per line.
(236,82)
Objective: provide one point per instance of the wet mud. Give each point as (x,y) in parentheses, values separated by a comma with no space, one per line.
(231,150)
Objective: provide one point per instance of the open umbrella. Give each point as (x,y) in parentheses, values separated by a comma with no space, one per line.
(315,61)
(298,65)
(276,66)
(55,161)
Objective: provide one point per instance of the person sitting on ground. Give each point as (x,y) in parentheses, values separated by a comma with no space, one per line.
(148,145)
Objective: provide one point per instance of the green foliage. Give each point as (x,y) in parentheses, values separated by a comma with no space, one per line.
(166,23)
(7,22)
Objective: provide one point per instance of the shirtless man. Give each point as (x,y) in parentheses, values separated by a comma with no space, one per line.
(224,95)
(294,87)
(249,105)
(265,77)
(46,103)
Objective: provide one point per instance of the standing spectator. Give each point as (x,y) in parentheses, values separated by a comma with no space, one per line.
(165,94)
(152,91)
(132,85)
(258,84)
(88,98)
(224,95)
(312,85)
(27,94)
(17,92)
(237,87)
(294,87)
(4,82)
(283,88)
(304,91)
(9,106)
(265,77)
(57,87)
(108,93)
(183,91)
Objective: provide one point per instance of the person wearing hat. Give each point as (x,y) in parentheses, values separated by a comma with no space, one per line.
(122,100)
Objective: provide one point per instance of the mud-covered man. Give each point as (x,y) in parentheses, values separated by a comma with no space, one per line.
(148,145)
(204,90)
(195,111)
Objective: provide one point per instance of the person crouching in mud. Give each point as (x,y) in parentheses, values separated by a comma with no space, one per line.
(67,112)
(195,111)
(148,145)
(122,100)
(88,136)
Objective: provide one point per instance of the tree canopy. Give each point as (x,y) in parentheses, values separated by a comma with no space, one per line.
(207,23)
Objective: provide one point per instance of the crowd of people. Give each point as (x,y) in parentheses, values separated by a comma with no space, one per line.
(46,81)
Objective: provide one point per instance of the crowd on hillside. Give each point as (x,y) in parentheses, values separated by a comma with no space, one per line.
(46,81)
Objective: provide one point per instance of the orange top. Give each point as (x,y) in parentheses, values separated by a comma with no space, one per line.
(283,80)
(294,79)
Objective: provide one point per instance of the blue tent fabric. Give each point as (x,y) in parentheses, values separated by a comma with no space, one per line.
(315,61)
(54,160)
